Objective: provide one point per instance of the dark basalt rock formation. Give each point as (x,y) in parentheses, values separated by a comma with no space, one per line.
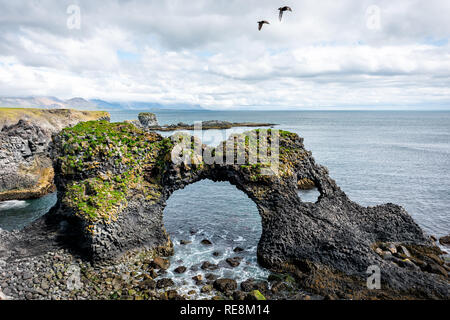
(212,124)
(26,170)
(114,180)
(147,121)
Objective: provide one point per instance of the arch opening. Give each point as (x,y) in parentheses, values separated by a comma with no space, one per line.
(226,217)
(309,195)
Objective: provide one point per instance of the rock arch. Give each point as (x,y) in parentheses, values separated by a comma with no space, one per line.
(114,180)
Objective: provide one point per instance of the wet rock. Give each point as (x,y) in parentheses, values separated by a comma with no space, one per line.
(164,283)
(192,292)
(153,273)
(225,285)
(206,242)
(216,253)
(209,266)
(234,262)
(206,289)
(198,277)
(445,241)
(160,263)
(185,242)
(238,249)
(180,269)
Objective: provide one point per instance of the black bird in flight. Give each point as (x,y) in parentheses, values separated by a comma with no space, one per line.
(261,23)
(283,9)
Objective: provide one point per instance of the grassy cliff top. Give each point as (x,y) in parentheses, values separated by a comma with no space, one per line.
(107,162)
(52,119)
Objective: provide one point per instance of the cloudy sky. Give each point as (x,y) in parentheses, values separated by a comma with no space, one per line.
(325,54)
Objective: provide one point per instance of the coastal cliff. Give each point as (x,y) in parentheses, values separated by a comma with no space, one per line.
(114,181)
(26,170)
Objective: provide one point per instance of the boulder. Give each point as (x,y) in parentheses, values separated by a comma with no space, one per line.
(164,283)
(234,262)
(445,241)
(160,263)
(147,119)
(225,285)
(209,266)
(180,269)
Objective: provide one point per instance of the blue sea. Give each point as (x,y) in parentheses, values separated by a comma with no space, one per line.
(375,157)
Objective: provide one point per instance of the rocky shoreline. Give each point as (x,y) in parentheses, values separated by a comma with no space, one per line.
(59,275)
(105,238)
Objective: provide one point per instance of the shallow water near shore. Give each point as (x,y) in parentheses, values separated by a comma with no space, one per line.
(229,220)
(375,157)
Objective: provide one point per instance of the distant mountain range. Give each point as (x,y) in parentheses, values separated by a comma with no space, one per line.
(83,104)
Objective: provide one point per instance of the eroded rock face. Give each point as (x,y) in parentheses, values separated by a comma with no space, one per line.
(26,170)
(114,180)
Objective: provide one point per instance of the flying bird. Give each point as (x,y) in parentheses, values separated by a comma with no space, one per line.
(261,23)
(283,9)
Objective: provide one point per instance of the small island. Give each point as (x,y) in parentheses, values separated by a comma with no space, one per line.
(148,121)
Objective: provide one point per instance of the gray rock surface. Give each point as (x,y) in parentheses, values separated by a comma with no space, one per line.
(26,170)
(25,167)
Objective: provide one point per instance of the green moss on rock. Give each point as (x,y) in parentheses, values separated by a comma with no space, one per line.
(106,162)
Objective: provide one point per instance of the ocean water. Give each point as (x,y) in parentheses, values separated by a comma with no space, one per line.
(376,157)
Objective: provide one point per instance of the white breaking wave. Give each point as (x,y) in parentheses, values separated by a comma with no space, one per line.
(13,204)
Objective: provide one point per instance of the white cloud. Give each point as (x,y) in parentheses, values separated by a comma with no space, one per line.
(210,53)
